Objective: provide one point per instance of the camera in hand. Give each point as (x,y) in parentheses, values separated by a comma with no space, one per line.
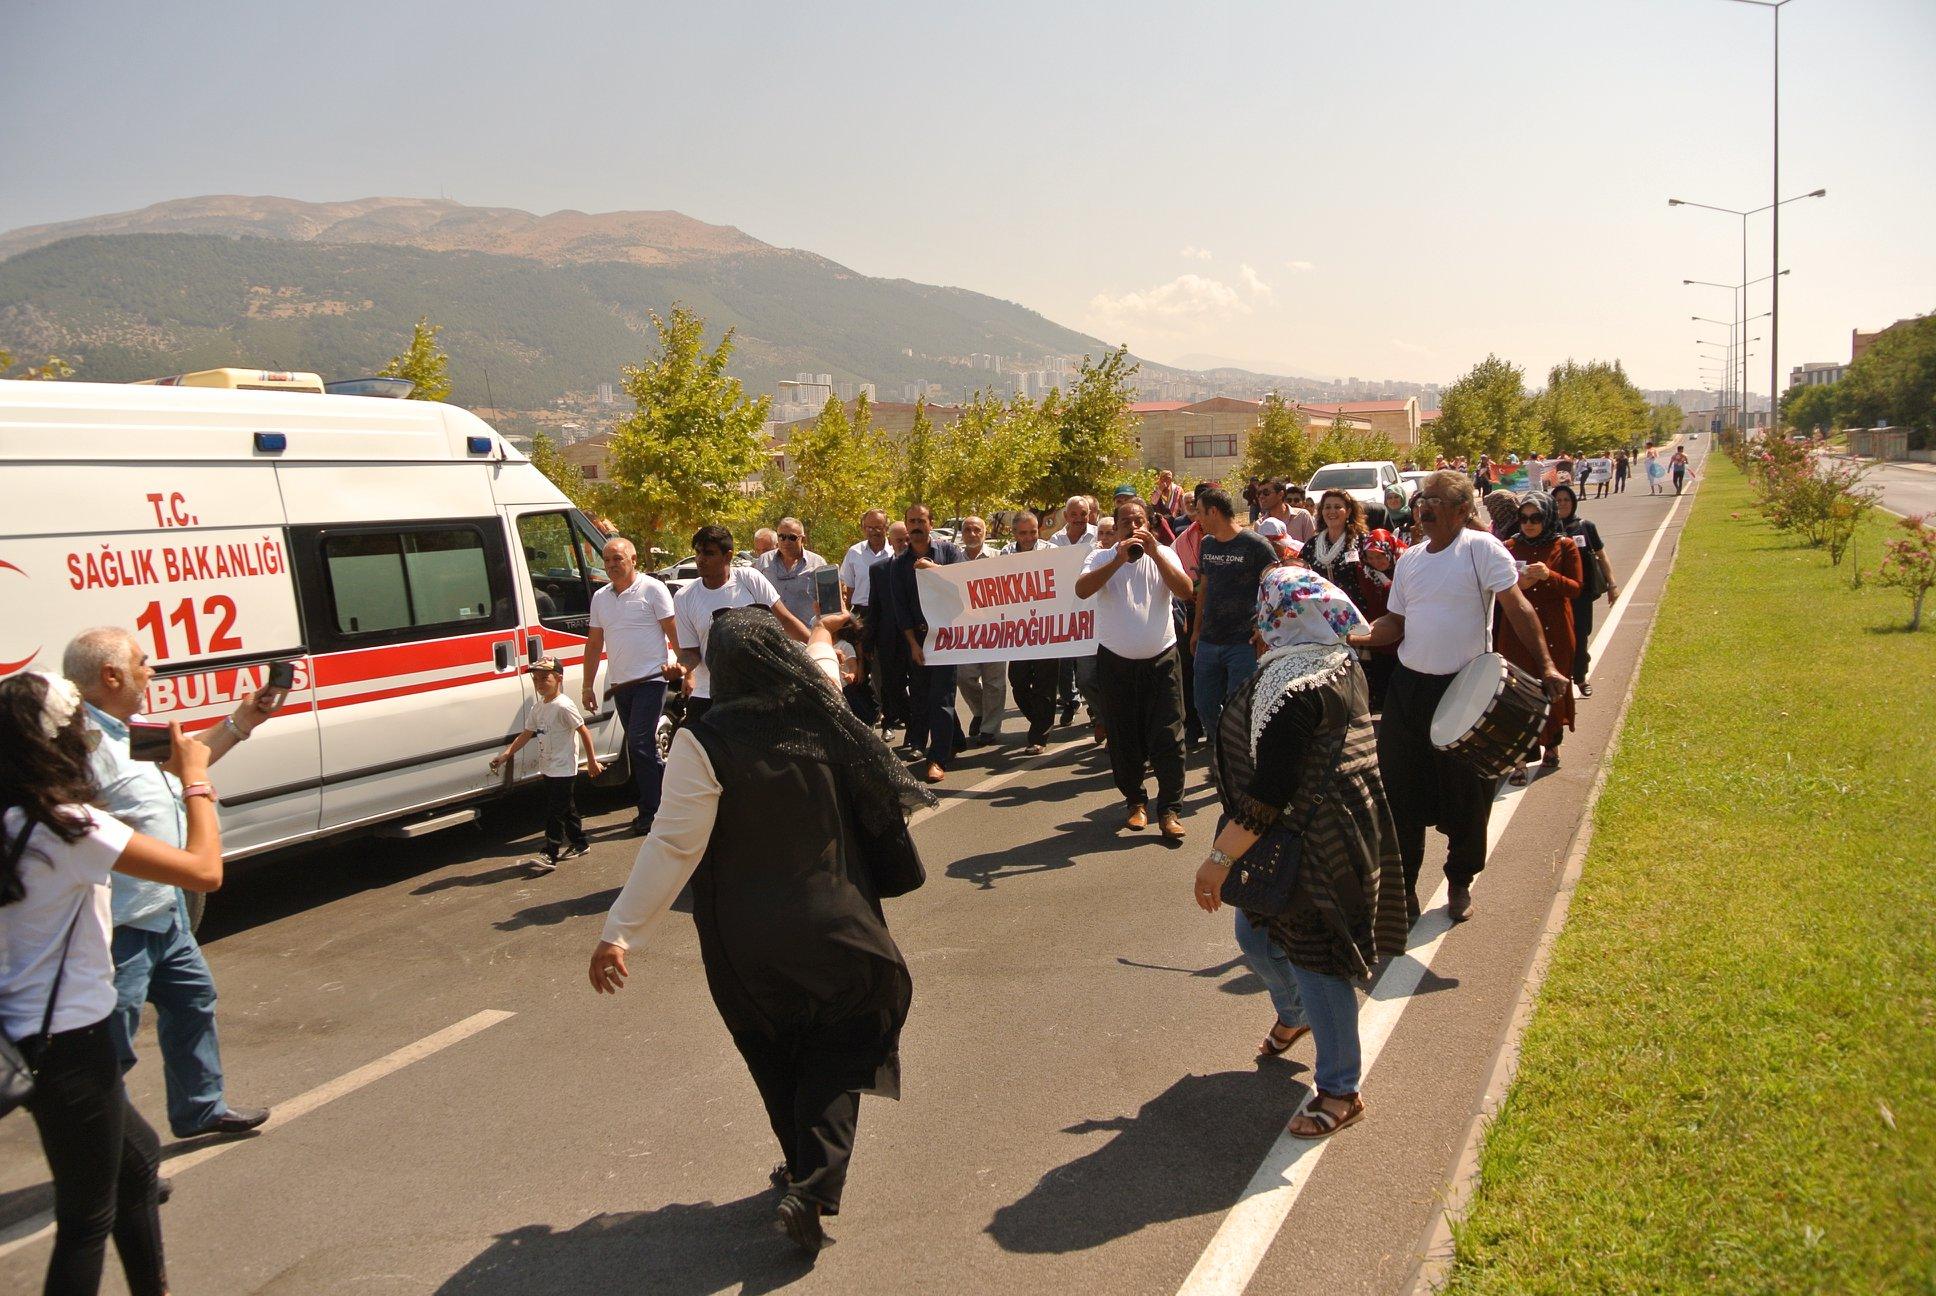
(149,742)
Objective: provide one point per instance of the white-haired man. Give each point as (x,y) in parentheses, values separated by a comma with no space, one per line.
(156,957)
(791,567)
(1079,673)
(983,685)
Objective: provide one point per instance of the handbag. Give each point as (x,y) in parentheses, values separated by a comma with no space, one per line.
(16,1073)
(893,863)
(1264,878)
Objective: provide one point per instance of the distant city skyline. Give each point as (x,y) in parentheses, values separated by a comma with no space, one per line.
(1391,190)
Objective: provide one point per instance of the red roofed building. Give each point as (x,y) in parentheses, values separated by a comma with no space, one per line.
(1398,419)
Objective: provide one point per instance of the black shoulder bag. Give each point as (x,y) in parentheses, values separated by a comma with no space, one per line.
(1264,878)
(16,1073)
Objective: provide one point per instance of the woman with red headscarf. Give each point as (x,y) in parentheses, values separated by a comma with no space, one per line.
(1550,573)
(1378,559)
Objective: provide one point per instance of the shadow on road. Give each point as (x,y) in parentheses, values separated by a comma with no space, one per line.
(1188,1152)
(1096,833)
(1248,983)
(683,1249)
(550,915)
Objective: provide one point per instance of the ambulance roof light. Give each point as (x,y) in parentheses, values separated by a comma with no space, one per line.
(478,444)
(271,442)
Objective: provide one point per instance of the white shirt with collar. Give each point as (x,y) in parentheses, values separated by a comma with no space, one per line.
(854,568)
(1133,608)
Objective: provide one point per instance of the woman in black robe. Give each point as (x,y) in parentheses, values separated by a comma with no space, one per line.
(774,803)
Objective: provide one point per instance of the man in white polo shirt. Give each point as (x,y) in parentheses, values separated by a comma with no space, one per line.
(1440,616)
(1139,676)
(1078,674)
(720,586)
(631,622)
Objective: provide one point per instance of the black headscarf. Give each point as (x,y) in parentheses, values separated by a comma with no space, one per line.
(768,694)
(1549,513)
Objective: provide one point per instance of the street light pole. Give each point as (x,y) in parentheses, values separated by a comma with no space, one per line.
(1774,256)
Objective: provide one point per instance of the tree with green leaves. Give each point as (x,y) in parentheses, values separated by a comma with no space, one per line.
(914,460)
(1589,407)
(836,469)
(695,445)
(984,459)
(1094,430)
(548,459)
(423,362)
(1343,443)
(1280,444)
(1665,423)
(53,371)
(1811,408)
(1486,411)
(1894,381)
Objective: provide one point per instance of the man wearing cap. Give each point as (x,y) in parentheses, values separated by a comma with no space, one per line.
(632,622)
(558,725)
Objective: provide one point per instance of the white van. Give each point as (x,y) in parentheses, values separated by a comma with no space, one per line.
(1366,480)
(403,553)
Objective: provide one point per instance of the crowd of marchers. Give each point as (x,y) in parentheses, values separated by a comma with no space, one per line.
(1302,652)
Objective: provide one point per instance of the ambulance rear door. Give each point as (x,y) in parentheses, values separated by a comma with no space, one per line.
(410,601)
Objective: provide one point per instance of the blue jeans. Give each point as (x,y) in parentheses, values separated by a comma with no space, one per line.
(1263,957)
(167,969)
(1332,1004)
(638,707)
(1220,669)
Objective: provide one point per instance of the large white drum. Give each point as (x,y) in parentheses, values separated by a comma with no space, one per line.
(1490,715)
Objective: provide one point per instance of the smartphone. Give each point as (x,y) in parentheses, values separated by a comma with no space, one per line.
(282,678)
(149,742)
(826,590)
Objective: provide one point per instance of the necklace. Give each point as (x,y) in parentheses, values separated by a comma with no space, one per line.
(1325,552)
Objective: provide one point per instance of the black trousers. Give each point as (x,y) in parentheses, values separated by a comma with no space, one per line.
(812,1110)
(1582,631)
(696,707)
(1428,787)
(1033,684)
(1142,704)
(891,658)
(932,723)
(563,827)
(103,1157)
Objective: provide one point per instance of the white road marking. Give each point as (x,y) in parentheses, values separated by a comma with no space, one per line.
(33,1229)
(1226,1266)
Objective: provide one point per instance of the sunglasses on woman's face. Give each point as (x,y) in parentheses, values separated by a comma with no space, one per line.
(1531,517)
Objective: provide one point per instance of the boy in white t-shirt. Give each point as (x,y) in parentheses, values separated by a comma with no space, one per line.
(559,726)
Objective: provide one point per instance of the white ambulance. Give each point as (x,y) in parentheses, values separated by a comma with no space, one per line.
(408,559)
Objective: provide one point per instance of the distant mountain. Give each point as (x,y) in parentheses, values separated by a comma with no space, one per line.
(436,225)
(533,306)
(1200,363)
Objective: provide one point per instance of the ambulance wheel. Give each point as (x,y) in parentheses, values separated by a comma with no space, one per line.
(197,902)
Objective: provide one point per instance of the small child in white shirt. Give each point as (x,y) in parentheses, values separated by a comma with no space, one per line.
(558,725)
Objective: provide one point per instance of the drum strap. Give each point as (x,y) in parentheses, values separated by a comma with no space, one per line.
(1479,580)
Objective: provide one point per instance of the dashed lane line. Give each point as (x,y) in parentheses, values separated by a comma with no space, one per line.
(1227,1265)
(34,1228)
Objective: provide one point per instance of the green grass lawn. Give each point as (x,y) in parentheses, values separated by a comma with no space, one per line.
(1729,1084)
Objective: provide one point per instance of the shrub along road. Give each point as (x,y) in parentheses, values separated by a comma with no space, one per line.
(1083,1106)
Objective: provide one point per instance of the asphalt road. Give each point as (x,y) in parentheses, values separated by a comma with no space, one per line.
(1906,489)
(460,1114)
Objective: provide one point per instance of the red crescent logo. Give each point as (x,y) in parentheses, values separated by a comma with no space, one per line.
(9,667)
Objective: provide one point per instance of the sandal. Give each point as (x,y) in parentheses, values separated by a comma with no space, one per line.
(1551,760)
(1275,1045)
(1325,1121)
(1518,776)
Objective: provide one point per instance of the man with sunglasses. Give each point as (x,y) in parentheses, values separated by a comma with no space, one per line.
(1284,500)
(721,585)
(631,622)
(790,568)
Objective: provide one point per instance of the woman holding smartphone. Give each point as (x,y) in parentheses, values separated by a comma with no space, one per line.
(57,972)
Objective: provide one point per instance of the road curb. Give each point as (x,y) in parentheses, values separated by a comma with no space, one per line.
(1435,1265)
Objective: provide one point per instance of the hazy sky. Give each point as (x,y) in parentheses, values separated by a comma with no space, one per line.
(1382,188)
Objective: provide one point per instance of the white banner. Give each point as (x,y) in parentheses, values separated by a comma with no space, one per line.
(1019,607)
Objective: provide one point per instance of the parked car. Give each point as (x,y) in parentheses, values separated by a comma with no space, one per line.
(684,572)
(1363,479)
(1412,480)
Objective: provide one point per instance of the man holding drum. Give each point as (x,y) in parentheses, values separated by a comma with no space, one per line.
(1440,616)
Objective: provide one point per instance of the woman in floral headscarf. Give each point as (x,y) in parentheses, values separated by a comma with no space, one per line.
(1295,747)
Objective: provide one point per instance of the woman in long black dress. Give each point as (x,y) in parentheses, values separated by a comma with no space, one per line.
(774,802)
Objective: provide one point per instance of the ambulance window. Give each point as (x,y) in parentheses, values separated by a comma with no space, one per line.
(555,557)
(389,581)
